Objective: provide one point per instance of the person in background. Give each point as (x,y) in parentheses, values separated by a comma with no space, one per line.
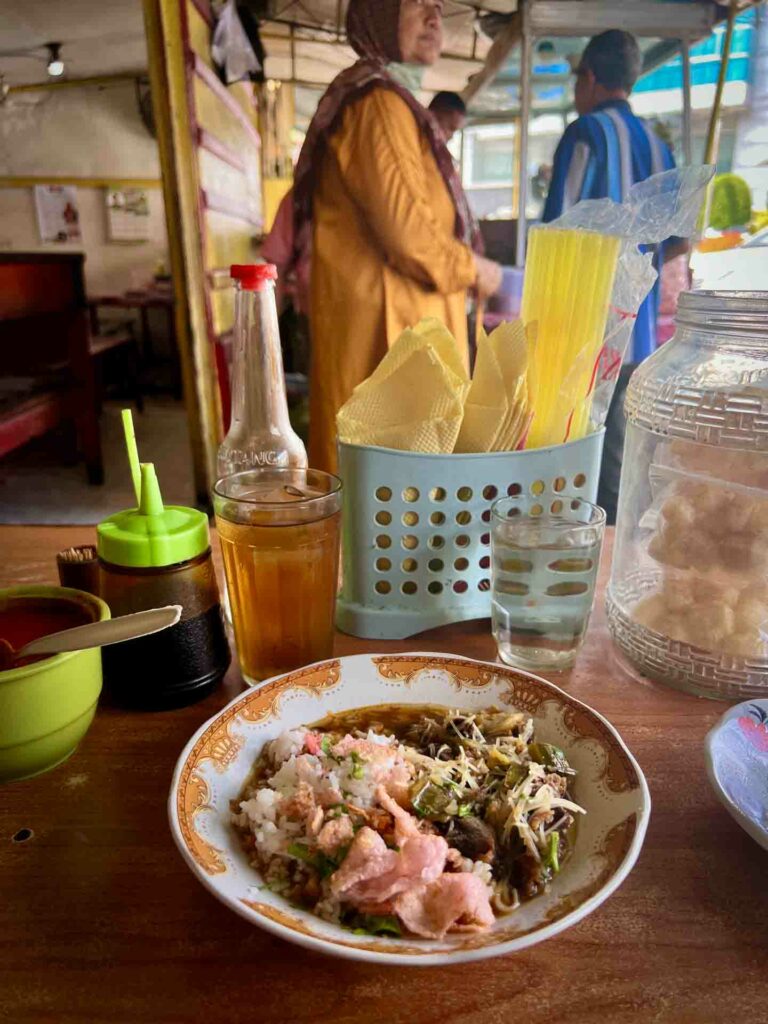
(292,291)
(278,248)
(450,112)
(602,154)
(375,188)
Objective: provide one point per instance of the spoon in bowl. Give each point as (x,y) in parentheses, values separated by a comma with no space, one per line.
(94,634)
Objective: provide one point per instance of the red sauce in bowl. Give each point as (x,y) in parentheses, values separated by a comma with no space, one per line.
(27,618)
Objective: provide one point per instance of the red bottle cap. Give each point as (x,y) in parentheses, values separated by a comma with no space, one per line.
(253,276)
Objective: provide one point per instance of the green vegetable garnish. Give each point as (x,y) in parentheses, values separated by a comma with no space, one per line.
(325,865)
(515,774)
(551,858)
(464,810)
(432,801)
(376,924)
(551,757)
(321,862)
(325,746)
(357,765)
(336,810)
(301,852)
(496,757)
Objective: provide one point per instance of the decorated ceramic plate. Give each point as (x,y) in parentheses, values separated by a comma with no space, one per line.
(737,765)
(216,762)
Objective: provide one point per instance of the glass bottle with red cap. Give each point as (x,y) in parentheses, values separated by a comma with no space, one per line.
(260,432)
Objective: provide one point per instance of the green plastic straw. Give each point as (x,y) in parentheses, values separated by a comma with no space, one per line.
(133,453)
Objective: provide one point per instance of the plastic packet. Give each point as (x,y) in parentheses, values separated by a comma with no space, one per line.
(231,48)
(662,206)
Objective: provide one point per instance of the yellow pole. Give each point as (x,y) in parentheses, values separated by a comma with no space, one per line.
(713,131)
(710,149)
(178,161)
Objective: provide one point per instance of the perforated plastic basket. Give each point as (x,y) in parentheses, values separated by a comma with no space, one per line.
(416,528)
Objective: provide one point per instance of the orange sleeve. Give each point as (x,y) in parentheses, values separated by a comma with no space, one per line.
(381,160)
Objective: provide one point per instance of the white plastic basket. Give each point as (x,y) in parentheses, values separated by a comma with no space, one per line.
(416,528)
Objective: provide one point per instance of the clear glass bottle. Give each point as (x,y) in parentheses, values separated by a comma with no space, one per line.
(260,432)
(688,596)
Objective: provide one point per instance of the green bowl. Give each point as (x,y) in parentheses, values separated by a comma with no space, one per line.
(46,707)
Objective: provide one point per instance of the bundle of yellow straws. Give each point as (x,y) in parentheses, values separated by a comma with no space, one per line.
(569,277)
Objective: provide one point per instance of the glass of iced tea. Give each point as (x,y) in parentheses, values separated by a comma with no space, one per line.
(280,534)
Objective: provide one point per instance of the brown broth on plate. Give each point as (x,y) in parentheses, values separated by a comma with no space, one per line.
(393,718)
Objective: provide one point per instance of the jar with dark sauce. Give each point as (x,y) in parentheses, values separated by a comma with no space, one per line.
(152,556)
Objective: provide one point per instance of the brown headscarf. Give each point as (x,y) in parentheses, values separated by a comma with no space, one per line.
(372,31)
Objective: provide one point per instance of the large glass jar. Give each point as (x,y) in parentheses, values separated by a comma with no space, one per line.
(688,596)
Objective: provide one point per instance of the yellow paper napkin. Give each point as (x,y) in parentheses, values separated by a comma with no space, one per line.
(496,408)
(414,400)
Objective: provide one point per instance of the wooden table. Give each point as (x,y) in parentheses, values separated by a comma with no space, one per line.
(101,921)
(143,300)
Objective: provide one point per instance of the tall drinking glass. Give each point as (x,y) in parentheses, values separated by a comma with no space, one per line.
(544,570)
(279,532)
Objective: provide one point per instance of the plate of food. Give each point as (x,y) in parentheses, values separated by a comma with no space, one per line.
(412,809)
(737,766)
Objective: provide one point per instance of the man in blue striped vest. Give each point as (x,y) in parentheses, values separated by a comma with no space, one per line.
(607,149)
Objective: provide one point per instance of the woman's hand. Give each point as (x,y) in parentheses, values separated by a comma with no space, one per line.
(488,277)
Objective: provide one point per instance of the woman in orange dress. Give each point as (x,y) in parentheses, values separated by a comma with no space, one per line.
(393,238)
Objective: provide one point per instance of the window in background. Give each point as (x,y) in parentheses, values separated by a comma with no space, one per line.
(544,134)
(454,146)
(488,169)
(492,157)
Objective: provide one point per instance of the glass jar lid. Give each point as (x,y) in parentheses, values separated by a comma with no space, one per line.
(709,383)
(725,312)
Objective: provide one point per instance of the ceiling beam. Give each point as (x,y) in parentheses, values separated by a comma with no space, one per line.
(68,83)
(496,57)
(692,20)
(276,37)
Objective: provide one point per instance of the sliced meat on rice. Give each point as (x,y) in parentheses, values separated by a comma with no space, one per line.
(302,805)
(315,824)
(313,742)
(371,872)
(452,903)
(405,823)
(335,834)
(368,857)
(310,770)
(384,764)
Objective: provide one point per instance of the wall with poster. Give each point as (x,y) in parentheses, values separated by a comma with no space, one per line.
(94,137)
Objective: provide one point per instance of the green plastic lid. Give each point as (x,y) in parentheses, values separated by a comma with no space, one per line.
(152,535)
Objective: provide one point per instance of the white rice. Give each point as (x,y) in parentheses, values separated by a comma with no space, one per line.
(479,868)
(271,830)
(286,744)
(332,781)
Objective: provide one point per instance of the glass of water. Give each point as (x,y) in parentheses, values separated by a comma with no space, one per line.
(545,561)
